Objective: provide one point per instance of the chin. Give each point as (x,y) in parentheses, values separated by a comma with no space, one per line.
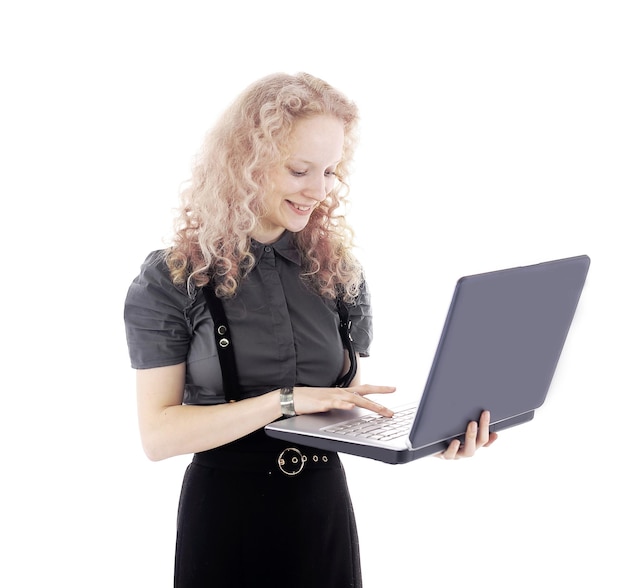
(296,227)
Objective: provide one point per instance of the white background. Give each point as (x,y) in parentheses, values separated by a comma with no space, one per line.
(493,135)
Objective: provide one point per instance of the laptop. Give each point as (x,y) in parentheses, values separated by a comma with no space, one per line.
(498,351)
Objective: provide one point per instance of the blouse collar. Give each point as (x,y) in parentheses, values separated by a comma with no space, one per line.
(285,247)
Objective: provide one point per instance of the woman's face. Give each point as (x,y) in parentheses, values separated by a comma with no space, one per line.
(305,179)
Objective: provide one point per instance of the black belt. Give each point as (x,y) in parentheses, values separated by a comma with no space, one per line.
(290,461)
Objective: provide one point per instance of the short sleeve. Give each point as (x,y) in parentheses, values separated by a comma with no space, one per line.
(157,330)
(362,327)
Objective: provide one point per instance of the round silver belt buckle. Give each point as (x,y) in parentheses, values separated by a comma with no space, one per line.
(291,461)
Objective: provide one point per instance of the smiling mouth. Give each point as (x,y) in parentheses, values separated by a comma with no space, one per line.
(300,207)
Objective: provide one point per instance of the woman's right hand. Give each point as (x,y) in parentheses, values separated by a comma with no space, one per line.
(311,400)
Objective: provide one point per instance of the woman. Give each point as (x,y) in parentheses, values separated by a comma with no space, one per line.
(260,237)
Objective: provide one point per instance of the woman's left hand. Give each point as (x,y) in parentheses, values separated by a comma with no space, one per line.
(477,435)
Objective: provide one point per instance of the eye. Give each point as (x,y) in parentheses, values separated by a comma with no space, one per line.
(296,173)
(330,173)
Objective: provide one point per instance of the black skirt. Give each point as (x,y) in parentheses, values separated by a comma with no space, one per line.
(257,513)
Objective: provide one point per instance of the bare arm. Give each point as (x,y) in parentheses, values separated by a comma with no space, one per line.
(169,428)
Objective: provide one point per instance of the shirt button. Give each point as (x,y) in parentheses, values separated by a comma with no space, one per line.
(267,249)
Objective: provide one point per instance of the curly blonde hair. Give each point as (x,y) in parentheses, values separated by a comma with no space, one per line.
(224,199)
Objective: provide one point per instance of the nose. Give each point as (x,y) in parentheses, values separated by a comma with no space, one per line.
(319,186)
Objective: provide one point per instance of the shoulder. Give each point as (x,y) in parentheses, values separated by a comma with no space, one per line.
(154,270)
(156,316)
(360,313)
(362,304)
(153,285)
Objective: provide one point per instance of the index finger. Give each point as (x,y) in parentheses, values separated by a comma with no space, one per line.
(363,389)
(363,402)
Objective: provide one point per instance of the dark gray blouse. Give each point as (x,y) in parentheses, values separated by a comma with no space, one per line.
(282,332)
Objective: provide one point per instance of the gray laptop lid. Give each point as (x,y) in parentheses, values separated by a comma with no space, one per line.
(499,347)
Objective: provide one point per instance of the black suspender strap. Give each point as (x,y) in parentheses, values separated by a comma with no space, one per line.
(224,343)
(345,324)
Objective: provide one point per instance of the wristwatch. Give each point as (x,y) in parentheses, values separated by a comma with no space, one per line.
(286,402)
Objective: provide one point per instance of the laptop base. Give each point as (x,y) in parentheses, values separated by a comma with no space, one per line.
(391,456)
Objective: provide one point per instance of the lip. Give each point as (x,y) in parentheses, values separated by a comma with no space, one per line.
(301,209)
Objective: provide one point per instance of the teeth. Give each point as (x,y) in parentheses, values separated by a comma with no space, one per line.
(300,207)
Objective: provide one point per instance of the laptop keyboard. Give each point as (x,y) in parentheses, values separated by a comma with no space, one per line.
(376,427)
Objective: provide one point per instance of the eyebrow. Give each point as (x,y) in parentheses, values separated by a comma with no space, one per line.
(310,162)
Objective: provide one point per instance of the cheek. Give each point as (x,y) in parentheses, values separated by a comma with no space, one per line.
(287,185)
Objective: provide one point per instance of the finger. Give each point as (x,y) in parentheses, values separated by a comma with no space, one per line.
(469,446)
(363,402)
(452,450)
(492,437)
(483,429)
(364,389)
